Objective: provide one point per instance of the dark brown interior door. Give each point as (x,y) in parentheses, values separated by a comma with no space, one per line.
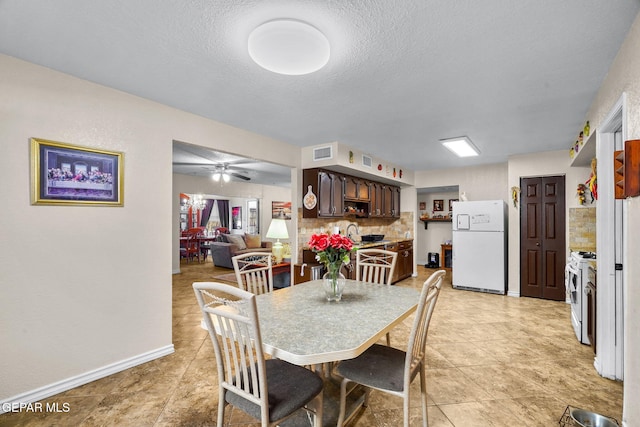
(542,237)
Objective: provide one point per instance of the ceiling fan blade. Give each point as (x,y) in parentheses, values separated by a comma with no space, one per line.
(194,164)
(237,175)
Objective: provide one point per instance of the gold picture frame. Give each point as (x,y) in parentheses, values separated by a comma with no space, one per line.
(66,174)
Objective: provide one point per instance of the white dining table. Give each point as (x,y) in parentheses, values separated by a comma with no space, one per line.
(300,326)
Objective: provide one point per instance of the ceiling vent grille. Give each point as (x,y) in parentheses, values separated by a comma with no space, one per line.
(322,153)
(366,161)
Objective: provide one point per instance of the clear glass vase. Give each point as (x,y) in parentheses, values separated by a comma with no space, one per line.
(333,283)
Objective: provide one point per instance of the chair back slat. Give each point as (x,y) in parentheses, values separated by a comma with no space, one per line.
(231,318)
(234,330)
(375,265)
(254,272)
(418,338)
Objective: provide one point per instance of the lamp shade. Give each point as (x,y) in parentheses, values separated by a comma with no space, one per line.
(277,229)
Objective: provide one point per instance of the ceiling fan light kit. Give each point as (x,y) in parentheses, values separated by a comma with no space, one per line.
(289,46)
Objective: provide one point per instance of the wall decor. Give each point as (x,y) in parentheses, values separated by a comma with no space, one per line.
(236,218)
(281,210)
(310,199)
(451,204)
(423,206)
(438,205)
(65,174)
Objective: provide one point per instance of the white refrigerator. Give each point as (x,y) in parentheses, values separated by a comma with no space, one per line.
(479,246)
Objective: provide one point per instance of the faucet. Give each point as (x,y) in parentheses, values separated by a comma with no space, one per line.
(349,234)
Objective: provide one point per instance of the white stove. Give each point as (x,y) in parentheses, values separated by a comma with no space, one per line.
(576,278)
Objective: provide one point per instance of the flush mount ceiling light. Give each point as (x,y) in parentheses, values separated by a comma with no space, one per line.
(289,46)
(461,146)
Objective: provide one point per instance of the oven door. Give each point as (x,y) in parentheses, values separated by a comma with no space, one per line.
(573,281)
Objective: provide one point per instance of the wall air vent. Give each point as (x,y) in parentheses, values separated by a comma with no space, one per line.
(366,161)
(322,153)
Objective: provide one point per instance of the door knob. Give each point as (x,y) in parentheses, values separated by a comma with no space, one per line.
(537,243)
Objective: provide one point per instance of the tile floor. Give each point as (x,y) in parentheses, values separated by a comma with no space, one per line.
(493,361)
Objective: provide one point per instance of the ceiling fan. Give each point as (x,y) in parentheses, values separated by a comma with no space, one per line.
(220,171)
(196,160)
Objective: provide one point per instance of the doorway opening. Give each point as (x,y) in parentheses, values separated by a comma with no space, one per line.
(610,247)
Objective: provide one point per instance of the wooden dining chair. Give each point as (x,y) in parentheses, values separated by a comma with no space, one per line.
(376,266)
(391,370)
(254,272)
(190,246)
(270,390)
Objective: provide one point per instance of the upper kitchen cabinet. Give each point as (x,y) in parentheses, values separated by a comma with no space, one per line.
(328,194)
(389,202)
(324,194)
(356,197)
(356,189)
(376,209)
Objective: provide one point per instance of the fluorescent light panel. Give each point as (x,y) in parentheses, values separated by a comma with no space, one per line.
(461,147)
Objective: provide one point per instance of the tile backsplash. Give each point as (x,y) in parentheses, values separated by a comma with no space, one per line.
(392,229)
(582,229)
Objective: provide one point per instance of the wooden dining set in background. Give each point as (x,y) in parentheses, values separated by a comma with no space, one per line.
(194,243)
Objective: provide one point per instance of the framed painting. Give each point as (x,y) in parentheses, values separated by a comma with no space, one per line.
(438,205)
(281,210)
(236,218)
(451,204)
(65,174)
(423,206)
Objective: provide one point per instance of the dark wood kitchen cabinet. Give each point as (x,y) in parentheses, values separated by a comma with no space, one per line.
(328,194)
(356,189)
(391,201)
(328,188)
(405,257)
(385,200)
(375,193)
(404,260)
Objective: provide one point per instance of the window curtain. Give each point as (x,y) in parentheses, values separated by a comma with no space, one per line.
(206,212)
(223,211)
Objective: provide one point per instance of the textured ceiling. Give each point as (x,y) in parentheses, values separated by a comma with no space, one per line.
(516,77)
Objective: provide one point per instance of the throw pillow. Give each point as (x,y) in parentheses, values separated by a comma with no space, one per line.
(253,240)
(237,240)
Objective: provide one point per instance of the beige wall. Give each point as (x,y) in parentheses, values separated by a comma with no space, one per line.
(87,290)
(624,76)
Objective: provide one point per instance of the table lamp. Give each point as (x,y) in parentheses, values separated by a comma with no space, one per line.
(277,230)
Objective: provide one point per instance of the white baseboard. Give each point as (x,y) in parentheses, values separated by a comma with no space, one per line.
(87,377)
(513,294)
(176,271)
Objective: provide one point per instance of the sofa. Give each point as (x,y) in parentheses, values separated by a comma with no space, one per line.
(229,245)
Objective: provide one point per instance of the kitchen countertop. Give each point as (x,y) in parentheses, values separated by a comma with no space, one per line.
(364,245)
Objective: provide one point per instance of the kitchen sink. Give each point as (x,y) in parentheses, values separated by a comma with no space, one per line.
(370,238)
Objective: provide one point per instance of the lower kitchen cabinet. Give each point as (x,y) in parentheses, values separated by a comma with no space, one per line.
(404,261)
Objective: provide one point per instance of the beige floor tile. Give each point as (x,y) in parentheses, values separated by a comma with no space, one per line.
(492,413)
(491,361)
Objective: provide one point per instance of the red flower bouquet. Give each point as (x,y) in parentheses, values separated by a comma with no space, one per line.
(332,251)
